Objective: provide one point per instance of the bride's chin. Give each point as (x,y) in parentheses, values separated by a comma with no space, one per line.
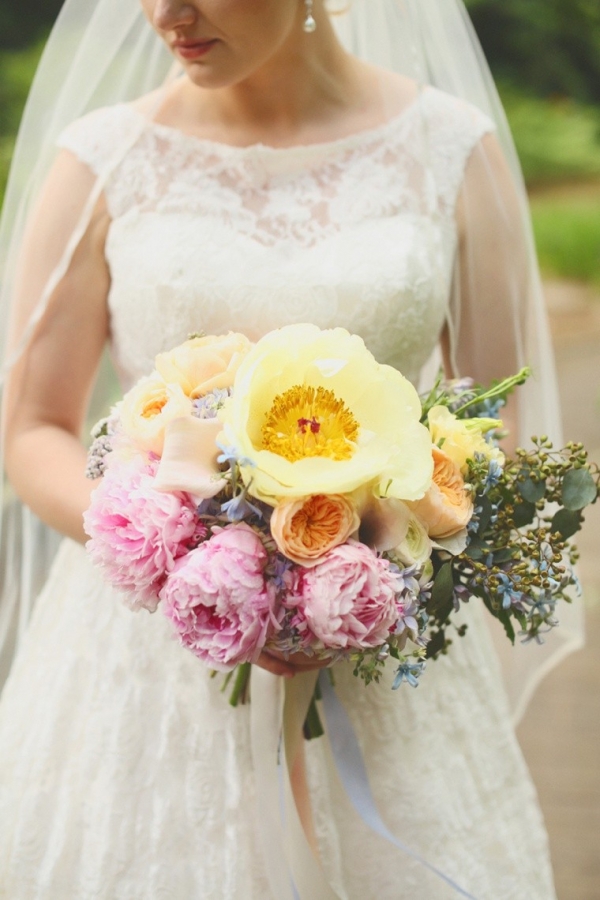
(208,78)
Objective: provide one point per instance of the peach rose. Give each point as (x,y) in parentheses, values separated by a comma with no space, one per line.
(147,409)
(447,506)
(306,528)
(203,364)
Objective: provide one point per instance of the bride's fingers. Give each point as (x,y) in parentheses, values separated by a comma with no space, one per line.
(276,666)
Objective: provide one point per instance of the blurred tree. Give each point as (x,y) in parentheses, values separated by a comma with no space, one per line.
(546,47)
(26,21)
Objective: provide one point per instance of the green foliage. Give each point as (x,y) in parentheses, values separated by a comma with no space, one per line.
(25,22)
(556,140)
(6,148)
(16,72)
(567,234)
(550,46)
(443,590)
(519,560)
(578,489)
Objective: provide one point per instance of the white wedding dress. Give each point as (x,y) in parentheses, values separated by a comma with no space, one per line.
(124,773)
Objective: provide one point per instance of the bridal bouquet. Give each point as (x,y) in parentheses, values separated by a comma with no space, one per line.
(296,495)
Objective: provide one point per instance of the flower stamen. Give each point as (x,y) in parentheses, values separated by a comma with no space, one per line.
(307,421)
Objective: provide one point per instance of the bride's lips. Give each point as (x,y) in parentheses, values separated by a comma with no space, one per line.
(194,49)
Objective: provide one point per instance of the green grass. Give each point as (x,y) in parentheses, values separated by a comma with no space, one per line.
(568,236)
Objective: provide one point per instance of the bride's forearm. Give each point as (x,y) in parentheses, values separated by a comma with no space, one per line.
(46,467)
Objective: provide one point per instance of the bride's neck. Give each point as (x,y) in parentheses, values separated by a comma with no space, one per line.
(310,90)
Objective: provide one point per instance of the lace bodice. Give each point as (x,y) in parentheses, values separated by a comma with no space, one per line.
(358,232)
(131,777)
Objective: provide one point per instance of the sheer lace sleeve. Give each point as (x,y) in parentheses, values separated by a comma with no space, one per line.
(454,128)
(93,138)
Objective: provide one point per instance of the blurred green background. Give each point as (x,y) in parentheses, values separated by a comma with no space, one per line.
(545,55)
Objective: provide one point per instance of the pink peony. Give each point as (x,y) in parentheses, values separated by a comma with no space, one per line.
(219,599)
(137,533)
(349,600)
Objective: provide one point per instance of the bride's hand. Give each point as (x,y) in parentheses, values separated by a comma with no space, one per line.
(276,662)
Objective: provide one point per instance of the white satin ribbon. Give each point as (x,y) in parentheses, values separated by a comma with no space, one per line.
(277,715)
(278,710)
(353,775)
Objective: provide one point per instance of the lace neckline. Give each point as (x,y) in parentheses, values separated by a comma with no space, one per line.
(304,151)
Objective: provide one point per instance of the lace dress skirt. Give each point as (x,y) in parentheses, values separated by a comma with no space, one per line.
(125,774)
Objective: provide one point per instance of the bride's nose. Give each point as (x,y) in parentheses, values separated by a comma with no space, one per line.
(170,14)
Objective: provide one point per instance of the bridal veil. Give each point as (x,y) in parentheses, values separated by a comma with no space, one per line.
(103,52)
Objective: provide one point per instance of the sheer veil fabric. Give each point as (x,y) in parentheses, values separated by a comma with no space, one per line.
(103,52)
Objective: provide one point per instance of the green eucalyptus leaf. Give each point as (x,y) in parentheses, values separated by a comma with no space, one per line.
(477,548)
(503,617)
(502,556)
(436,644)
(567,522)
(524,513)
(532,491)
(485,514)
(443,589)
(507,624)
(578,489)
(521,619)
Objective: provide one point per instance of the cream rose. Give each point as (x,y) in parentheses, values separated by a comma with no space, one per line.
(447,506)
(416,547)
(307,528)
(148,408)
(462,439)
(203,364)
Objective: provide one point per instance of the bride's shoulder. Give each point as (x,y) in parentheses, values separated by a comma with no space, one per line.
(98,135)
(440,108)
(445,110)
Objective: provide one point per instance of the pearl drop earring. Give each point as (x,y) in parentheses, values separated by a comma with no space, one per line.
(309,22)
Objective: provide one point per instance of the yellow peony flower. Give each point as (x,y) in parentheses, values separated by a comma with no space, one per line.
(313,413)
(147,409)
(203,364)
(461,439)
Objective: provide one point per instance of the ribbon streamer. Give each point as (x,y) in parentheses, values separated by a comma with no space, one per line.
(353,775)
(293,870)
(277,713)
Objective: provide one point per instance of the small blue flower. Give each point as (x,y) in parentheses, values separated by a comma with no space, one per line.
(281,564)
(493,476)
(209,507)
(230,455)
(473,525)
(239,508)
(507,591)
(409,672)
(208,406)
(486,409)
(461,593)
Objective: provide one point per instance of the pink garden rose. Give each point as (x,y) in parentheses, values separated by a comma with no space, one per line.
(348,600)
(137,533)
(219,600)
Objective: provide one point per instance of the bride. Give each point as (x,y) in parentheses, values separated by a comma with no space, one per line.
(274,177)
